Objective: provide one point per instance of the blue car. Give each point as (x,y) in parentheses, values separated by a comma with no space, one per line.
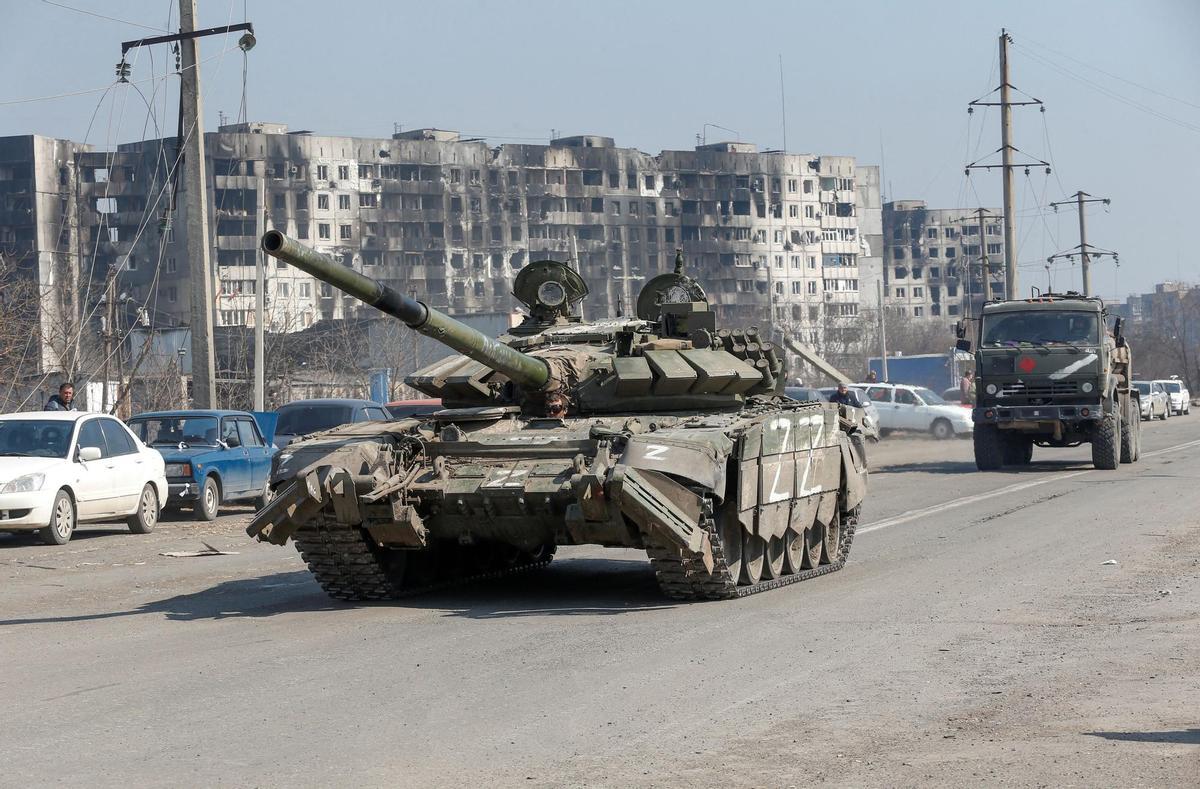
(212,457)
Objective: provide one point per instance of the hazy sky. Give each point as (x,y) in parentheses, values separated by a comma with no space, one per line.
(885,82)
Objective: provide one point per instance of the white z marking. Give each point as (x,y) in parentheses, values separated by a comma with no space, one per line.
(655,451)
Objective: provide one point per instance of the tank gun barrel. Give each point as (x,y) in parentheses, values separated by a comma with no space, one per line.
(526,371)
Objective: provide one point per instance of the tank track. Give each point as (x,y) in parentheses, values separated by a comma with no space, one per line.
(349,567)
(687,579)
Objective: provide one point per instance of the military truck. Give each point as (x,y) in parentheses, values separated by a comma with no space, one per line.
(658,431)
(1050,373)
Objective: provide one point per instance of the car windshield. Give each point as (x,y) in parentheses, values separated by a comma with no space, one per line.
(1173,386)
(194,431)
(803,394)
(42,438)
(929,396)
(1041,328)
(1142,387)
(297,420)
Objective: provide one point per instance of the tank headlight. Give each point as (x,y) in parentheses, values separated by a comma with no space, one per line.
(551,293)
(991,389)
(1087,387)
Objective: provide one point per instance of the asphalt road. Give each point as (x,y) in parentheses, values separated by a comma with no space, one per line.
(977,636)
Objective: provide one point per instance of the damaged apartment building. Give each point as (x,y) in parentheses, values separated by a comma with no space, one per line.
(934,259)
(784,239)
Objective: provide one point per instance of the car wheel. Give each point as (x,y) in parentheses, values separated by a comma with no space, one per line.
(941,429)
(266,498)
(206,506)
(146,518)
(62,520)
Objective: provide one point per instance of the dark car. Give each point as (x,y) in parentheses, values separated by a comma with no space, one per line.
(312,416)
(804,394)
(212,457)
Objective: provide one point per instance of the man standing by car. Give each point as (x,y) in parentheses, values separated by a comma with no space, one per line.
(967,387)
(841,396)
(64,400)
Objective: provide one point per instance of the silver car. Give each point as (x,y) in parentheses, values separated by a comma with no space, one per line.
(1153,400)
(1178,396)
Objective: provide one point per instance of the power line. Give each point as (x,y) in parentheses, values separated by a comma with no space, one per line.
(102,16)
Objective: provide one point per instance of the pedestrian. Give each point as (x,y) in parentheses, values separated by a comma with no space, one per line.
(872,377)
(966,385)
(64,400)
(841,396)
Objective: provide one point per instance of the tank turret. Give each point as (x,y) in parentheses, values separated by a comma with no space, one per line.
(526,371)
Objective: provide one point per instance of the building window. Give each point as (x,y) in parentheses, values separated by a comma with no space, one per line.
(898,253)
(935,272)
(811,286)
(322,202)
(614,207)
(302,230)
(367,200)
(344,231)
(932,252)
(343,202)
(931,232)
(322,172)
(323,230)
(993,249)
(918,293)
(455,176)
(899,293)
(950,253)
(993,230)
(343,172)
(172,293)
(305,290)
(916,272)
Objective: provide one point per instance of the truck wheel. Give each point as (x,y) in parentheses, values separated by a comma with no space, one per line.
(1018,450)
(1106,442)
(989,447)
(941,429)
(1131,440)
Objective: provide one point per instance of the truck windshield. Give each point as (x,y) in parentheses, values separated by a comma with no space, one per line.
(1041,328)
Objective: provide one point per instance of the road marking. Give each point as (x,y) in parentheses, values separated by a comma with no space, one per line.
(911,515)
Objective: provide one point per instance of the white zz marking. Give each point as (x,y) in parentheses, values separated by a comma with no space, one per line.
(804,489)
(775,494)
(655,451)
(507,479)
(784,424)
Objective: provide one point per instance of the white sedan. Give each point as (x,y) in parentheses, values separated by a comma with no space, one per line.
(59,469)
(915,408)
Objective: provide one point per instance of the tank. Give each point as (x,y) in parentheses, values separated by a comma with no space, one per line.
(658,431)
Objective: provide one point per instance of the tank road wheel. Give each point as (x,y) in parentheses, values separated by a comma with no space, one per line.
(731,541)
(1106,442)
(793,552)
(814,544)
(774,567)
(831,545)
(754,552)
(989,447)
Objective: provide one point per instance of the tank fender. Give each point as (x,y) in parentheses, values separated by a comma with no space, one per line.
(854,473)
(666,512)
(702,457)
(301,499)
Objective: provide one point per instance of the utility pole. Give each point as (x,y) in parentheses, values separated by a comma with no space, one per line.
(110,312)
(985,263)
(882,331)
(260,303)
(1085,251)
(1007,165)
(191,148)
(195,190)
(1010,199)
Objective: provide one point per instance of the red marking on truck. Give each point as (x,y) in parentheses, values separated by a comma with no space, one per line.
(1027,364)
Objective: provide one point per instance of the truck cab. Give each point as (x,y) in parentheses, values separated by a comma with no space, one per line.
(1050,373)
